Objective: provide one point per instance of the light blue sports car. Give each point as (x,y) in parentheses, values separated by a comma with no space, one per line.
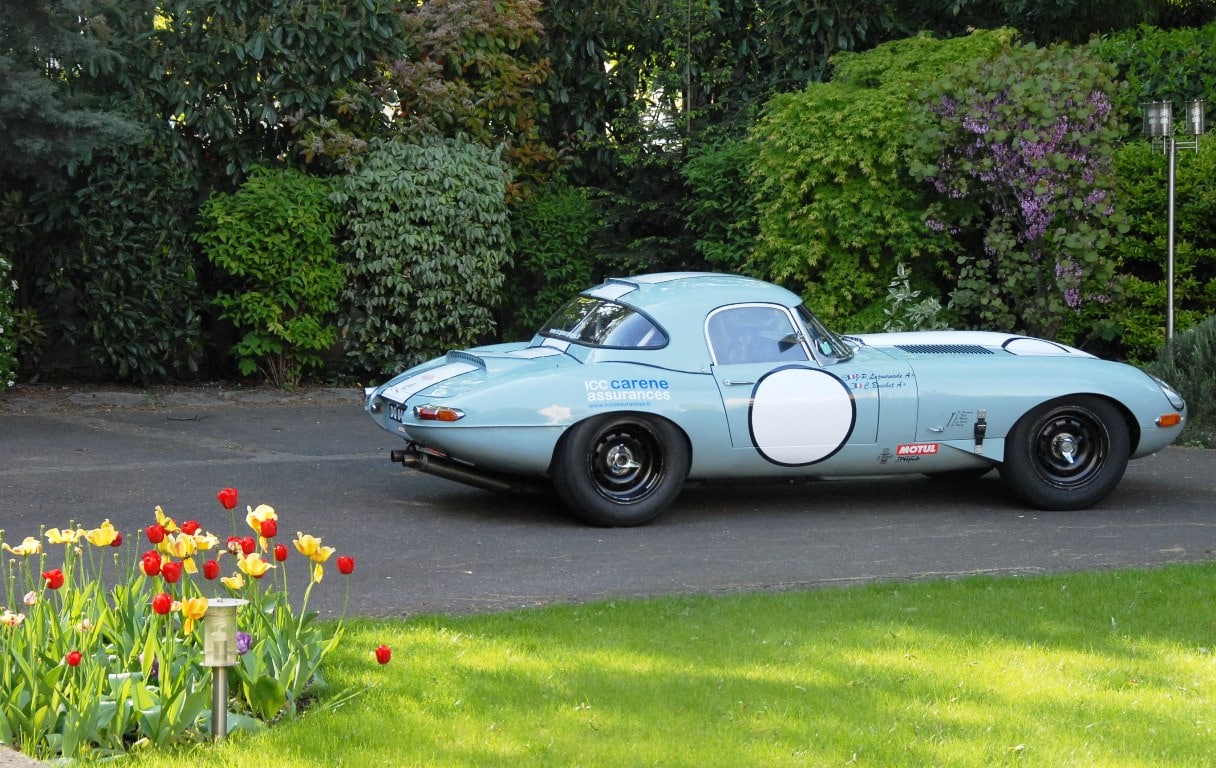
(640,384)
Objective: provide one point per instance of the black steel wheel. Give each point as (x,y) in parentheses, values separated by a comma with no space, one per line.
(620,470)
(1067,454)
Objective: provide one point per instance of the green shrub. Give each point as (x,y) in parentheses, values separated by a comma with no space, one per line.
(276,239)
(131,274)
(1188,363)
(427,235)
(552,260)
(1140,307)
(720,208)
(8,323)
(1159,65)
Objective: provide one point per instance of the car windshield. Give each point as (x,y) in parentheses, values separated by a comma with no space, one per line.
(600,323)
(822,340)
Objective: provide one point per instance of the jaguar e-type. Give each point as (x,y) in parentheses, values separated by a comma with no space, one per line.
(640,384)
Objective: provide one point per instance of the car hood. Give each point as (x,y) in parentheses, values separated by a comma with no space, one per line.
(950,343)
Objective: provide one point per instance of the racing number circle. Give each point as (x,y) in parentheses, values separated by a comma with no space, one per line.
(800,415)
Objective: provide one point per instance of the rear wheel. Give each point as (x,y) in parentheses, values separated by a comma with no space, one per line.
(1067,454)
(620,470)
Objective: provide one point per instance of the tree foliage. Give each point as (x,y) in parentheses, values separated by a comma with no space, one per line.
(246,78)
(1021,150)
(472,68)
(48,124)
(427,239)
(276,239)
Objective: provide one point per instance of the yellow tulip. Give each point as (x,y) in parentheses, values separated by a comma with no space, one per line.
(56,536)
(165,521)
(253,565)
(102,536)
(206,541)
(193,608)
(178,545)
(256,517)
(235,582)
(310,547)
(30,546)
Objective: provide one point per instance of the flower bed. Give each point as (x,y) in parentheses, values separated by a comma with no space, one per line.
(92,669)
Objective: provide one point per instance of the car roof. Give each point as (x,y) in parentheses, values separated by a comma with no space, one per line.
(666,295)
(679,302)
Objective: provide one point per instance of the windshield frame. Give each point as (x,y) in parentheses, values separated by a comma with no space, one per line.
(818,334)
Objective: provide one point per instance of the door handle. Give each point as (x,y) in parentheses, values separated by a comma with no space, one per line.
(734,383)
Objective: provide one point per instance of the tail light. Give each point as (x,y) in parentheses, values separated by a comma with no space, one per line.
(437,413)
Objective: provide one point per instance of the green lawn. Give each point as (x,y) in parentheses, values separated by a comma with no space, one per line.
(1091,669)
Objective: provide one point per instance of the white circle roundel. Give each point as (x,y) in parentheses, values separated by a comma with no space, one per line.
(801,415)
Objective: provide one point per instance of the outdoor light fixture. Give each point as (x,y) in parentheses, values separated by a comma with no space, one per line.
(219,653)
(1159,127)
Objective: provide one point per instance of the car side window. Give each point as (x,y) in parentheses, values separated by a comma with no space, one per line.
(753,334)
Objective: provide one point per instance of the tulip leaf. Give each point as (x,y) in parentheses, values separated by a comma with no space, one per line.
(6,730)
(269,697)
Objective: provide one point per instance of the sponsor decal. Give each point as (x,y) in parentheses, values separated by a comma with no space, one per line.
(916,449)
(960,419)
(868,380)
(626,390)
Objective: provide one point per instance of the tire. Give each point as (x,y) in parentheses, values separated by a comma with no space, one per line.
(1067,454)
(620,470)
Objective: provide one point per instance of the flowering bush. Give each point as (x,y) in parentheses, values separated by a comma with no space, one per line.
(91,669)
(1019,150)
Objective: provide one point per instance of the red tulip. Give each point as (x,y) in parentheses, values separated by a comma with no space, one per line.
(156,533)
(234,545)
(269,528)
(53,578)
(228,498)
(190,527)
(117,539)
(73,658)
(383,654)
(162,603)
(211,570)
(150,563)
(248,545)
(171,571)
(346,565)
(280,552)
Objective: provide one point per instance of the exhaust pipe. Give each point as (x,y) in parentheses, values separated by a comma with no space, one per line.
(462,473)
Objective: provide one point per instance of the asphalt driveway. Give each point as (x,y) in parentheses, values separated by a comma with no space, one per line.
(79,455)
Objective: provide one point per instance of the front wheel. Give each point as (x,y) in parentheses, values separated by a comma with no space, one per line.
(1067,454)
(620,470)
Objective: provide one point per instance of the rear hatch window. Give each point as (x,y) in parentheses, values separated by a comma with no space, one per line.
(596,322)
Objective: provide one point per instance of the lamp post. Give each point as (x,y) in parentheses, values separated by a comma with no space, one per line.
(219,653)
(1159,127)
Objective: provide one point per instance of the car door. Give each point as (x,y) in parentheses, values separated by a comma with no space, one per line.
(780,399)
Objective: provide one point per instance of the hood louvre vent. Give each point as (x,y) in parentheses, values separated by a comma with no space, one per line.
(944,349)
